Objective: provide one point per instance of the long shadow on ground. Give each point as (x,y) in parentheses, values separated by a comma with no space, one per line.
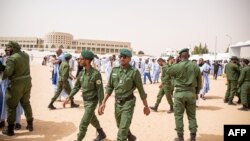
(213,97)
(43,131)
(211,108)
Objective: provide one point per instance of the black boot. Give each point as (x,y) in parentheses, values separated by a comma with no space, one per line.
(230,102)
(225,100)
(180,137)
(171,110)
(9,130)
(243,108)
(51,106)
(131,137)
(155,108)
(30,125)
(193,137)
(73,105)
(18,126)
(101,135)
(2,124)
(239,101)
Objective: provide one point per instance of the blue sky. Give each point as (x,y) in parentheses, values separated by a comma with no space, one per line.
(150,25)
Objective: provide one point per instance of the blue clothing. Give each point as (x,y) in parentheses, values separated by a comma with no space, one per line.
(19,109)
(156,72)
(205,74)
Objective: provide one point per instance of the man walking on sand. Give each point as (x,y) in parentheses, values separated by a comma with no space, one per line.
(124,80)
(90,80)
(63,82)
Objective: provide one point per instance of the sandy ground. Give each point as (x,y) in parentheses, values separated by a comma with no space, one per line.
(62,124)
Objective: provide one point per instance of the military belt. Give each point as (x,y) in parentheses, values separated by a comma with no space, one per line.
(121,100)
(90,98)
(20,77)
(185,89)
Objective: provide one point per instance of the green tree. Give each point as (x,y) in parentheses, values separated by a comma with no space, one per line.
(200,49)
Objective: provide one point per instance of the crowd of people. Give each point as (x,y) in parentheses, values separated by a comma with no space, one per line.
(183,82)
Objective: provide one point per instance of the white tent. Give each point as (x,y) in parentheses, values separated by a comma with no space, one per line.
(240,49)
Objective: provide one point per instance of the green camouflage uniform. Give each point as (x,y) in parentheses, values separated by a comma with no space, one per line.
(232,71)
(244,83)
(63,82)
(187,81)
(17,70)
(167,87)
(124,82)
(92,93)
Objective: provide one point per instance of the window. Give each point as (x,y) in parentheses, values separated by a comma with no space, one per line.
(112,50)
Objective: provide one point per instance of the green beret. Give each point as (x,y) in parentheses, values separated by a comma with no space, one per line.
(183,50)
(13,45)
(234,58)
(67,55)
(87,54)
(125,52)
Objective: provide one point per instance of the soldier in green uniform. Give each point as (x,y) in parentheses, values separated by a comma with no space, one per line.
(187,82)
(90,80)
(244,84)
(166,88)
(232,71)
(17,70)
(63,82)
(124,80)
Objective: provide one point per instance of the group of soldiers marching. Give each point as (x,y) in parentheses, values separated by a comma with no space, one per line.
(181,79)
(123,80)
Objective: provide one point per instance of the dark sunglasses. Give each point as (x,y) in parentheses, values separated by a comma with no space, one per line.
(123,56)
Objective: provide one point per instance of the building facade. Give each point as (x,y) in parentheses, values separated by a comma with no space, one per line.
(28,43)
(66,41)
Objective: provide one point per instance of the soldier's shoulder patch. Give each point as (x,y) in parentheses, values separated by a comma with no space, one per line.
(98,82)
